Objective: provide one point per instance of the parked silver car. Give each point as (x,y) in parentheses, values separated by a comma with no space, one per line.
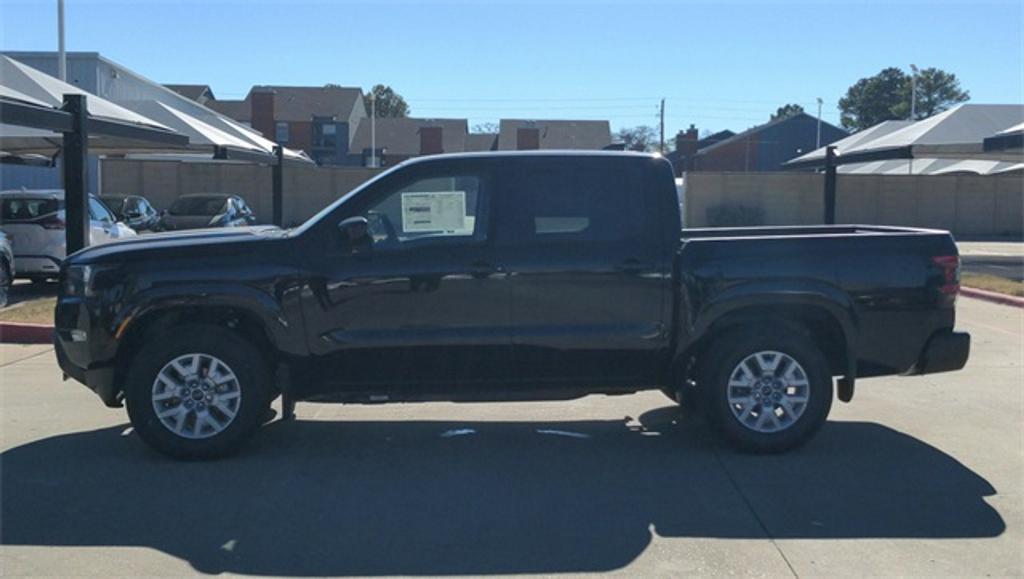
(34,222)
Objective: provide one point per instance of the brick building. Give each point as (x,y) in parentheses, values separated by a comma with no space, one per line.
(321,121)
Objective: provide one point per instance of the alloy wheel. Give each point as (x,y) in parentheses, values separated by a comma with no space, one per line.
(196,396)
(768,391)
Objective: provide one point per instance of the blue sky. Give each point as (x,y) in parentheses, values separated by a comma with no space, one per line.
(718,65)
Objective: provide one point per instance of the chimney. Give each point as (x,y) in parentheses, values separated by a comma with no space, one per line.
(262,103)
(686,145)
(431,140)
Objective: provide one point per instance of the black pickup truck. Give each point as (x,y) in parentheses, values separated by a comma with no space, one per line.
(492,277)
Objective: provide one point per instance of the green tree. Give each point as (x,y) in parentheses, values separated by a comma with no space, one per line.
(787,110)
(886,96)
(486,128)
(640,138)
(389,104)
(938,90)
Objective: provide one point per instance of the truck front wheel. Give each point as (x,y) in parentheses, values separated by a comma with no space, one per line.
(766,393)
(199,391)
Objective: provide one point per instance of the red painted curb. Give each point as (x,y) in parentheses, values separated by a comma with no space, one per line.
(995,297)
(14,333)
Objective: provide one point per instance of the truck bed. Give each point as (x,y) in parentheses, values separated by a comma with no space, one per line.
(795,231)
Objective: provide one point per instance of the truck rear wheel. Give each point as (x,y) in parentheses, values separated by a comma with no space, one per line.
(766,393)
(197,392)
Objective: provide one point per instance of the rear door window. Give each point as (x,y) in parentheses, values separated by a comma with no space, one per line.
(586,202)
(14,210)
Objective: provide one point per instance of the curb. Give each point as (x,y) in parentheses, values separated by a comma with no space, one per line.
(15,333)
(993,297)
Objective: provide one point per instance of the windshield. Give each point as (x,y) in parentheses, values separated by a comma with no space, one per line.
(202,205)
(27,209)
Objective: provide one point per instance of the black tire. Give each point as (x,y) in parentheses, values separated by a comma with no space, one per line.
(686,396)
(254,383)
(6,279)
(728,352)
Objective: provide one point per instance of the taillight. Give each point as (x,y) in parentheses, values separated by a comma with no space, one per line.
(51,222)
(950,265)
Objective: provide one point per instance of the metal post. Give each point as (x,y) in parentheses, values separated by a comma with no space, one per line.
(373,129)
(62,59)
(76,174)
(913,93)
(661,148)
(830,185)
(817,143)
(278,175)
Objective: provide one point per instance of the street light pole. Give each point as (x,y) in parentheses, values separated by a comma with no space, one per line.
(373,129)
(661,124)
(817,142)
(62,59)
(913,93)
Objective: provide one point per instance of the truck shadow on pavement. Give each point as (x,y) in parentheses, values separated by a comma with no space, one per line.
(435,497)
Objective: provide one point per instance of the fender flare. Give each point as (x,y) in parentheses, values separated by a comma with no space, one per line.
(761,295)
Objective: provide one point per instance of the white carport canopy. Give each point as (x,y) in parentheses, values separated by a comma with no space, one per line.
(234,140)
(1008,139)
(931,167)
(859,138)
(200,133)
(23,85)
(958,133)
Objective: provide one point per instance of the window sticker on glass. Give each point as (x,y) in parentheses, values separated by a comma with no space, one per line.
(434,211)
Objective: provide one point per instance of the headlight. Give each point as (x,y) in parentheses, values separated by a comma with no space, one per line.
(79,280)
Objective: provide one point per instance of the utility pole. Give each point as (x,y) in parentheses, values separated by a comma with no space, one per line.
(62,59)
(817,143)
(662,129)
(913,93)
(373,129)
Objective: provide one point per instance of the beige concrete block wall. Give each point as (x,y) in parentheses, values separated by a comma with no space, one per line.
(307,189)
(967,205)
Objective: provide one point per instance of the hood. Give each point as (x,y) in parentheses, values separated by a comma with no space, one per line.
(174,244)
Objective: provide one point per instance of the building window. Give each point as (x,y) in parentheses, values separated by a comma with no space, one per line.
(527,139)
(281,132)
(328,137)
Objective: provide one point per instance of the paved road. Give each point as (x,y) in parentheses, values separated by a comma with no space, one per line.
(1003,259)
(919,476)
(1009,270)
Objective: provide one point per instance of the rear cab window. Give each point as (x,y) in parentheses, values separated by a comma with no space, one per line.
(575,201)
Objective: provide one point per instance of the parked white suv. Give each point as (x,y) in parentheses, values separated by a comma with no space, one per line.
(34,222)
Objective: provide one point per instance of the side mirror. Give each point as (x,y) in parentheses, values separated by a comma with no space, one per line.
(355,232)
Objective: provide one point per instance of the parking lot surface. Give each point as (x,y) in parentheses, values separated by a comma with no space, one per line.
(918,476)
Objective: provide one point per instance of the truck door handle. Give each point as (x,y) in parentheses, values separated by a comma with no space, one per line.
(633,267)
(483,269)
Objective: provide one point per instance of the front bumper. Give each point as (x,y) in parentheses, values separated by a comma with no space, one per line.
(98,379)
(945,351)
(89,361)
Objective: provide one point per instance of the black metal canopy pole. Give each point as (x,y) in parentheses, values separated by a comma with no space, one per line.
(76,173)
(278,194)
(830,185)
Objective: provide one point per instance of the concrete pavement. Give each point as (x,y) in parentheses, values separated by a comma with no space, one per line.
(918,476)
(999,258)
